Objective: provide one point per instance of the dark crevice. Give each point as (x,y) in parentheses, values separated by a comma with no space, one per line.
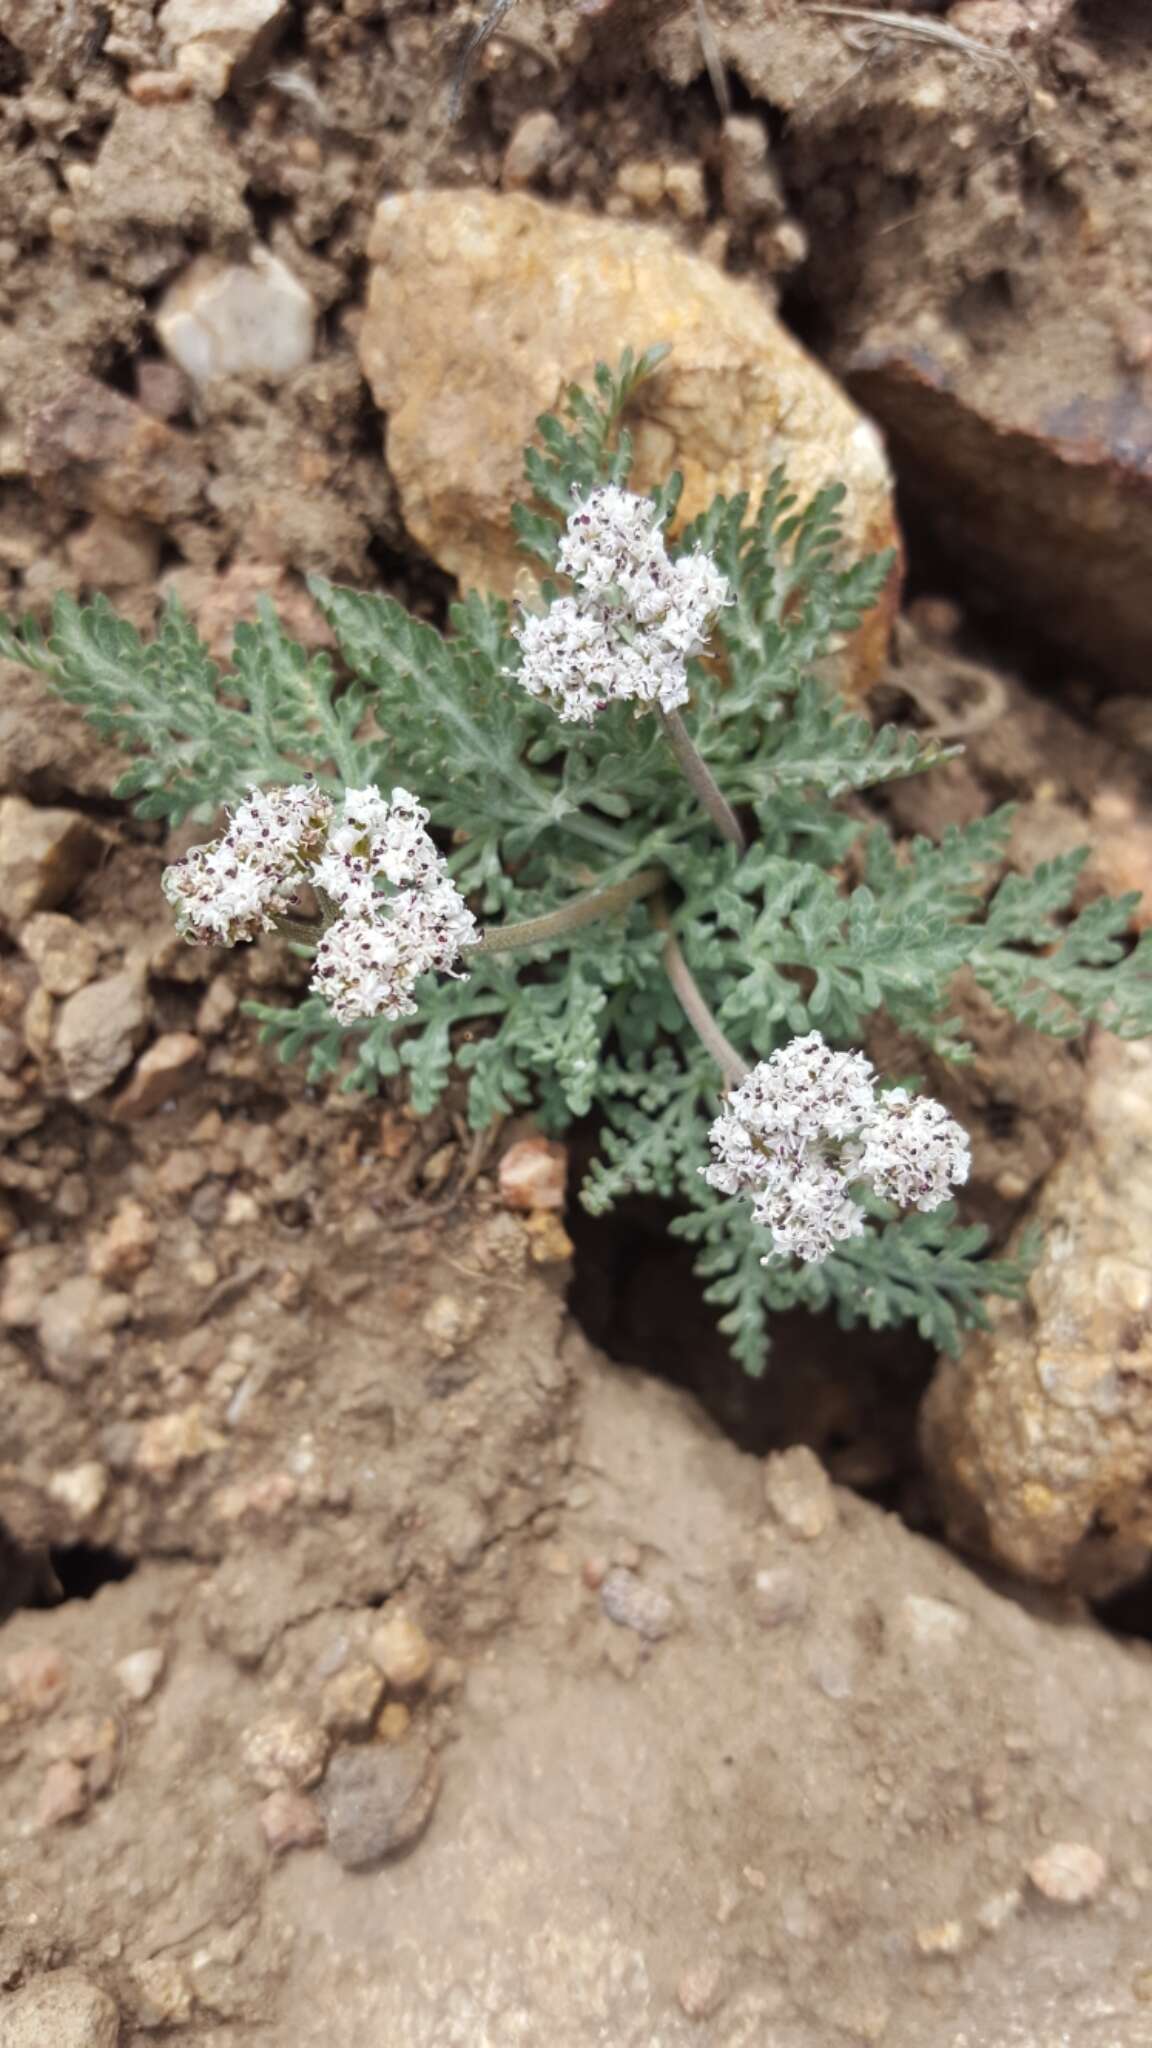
(49,1576)
(853,1396)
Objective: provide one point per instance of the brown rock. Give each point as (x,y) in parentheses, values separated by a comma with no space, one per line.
(1040,484)
(113,554)
(97,1032)
(43,854)
(166,1069)
(462,368)
(1040,1433)
(64,955)
(534,1174)
(92,444)
(379,1800)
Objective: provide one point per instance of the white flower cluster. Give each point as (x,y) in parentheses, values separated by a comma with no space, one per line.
(236,887)
(635,619)
(400,914)
(808,1123)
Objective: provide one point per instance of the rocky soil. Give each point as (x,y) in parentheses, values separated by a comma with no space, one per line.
(378,1661)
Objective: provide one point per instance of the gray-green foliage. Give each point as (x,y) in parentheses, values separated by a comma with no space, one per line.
(534,810)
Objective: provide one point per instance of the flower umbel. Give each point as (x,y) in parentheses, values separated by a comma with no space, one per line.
(807,1124)
(399,913)
(635,619)
(236,886)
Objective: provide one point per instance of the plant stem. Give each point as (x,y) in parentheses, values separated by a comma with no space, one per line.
(686,989)
(301,930)
(701,779)
(581,910)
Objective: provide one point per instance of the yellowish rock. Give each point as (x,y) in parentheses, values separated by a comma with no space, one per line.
(1040,1433)
(482,308)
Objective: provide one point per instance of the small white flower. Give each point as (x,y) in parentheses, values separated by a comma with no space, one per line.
(914,1152)
(806,1124)
(636,617)
(372,840)
(235,887)
(367,967)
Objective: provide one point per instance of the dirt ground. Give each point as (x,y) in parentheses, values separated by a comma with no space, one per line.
(378,1661)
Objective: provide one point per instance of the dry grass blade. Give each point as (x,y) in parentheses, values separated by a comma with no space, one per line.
(914,28)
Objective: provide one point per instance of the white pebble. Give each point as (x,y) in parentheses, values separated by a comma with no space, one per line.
(139,1673)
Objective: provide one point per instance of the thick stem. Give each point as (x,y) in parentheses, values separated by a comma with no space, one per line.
(701,778)
(581,910)
(301,930)
(733,1067)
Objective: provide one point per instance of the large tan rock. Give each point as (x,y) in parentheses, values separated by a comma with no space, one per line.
(1040,1434)
(483,308)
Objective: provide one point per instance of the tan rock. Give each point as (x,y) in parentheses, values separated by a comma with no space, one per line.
(351,1699)
(63,1794)
(97,1032)
(62,2010)
(1069,1873)
(252,319)
(125,1247)
(169,1441)
(165,1070)
(81,1489)
(535,143)
(64,955)
(799,1493)
(235,35)
(400,1649)
(483,308)
(163,1993)
(1040,1433)
(43,854)
(533,1174)
(451,1321)
(286,1750)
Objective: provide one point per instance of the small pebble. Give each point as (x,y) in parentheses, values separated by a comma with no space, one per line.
(63,1794)
(628,1601)
(37,1678)
(779,1594)
(946,1939)
(139,1674)
(400,1649)
(284,1751)
(533,1174)
(80,1488)
(164,1995)
(799,1493)
(1070,1873)
(379,1800)
(700,1991)
(935,1626)
(291,1820)
(394,1721)
(996,1912)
